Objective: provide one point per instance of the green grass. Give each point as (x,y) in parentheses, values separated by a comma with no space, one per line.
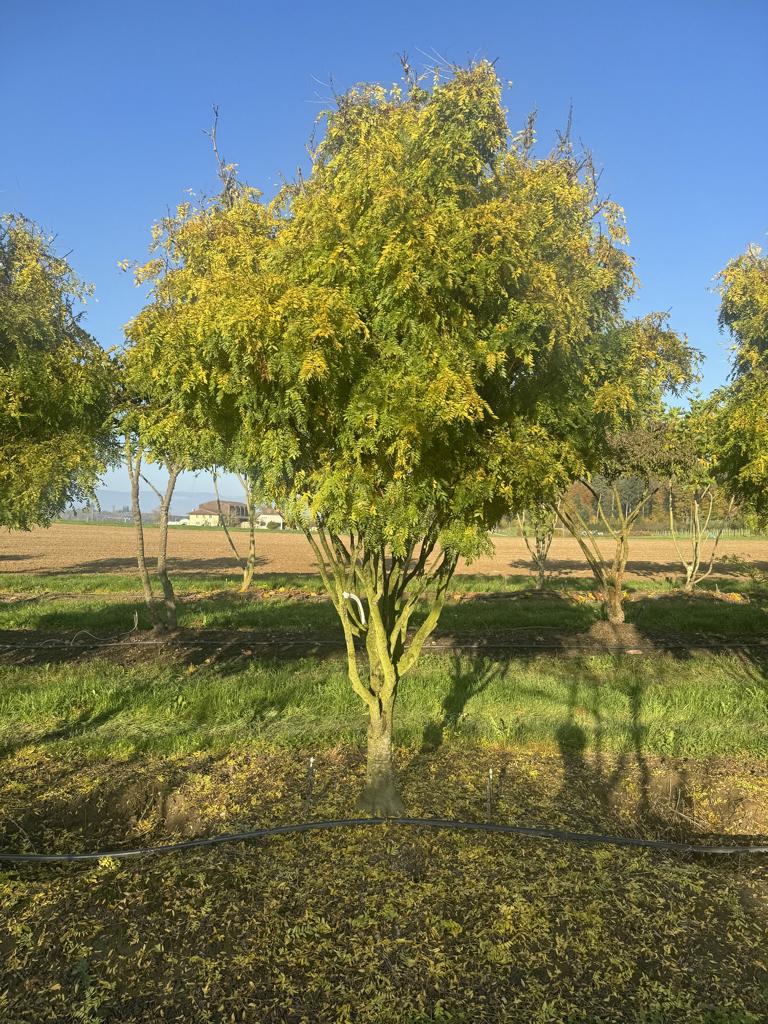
(693,707)
(51,584)
(114,582)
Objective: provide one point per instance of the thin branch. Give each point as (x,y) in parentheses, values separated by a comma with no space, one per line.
(240,561)
(150,484)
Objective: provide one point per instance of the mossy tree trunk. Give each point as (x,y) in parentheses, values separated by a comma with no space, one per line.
(613,602)
(380,796)
(375,594)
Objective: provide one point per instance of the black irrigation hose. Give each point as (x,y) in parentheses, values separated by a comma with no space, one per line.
(436,646)
(587,838)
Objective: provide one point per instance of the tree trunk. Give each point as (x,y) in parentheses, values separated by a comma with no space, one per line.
(542,578)
(612,600)
(134,472)
(169,597)
(247,578)
(250,563)
(347,563)
(380,797)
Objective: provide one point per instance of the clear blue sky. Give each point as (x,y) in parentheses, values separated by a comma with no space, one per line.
(103,107)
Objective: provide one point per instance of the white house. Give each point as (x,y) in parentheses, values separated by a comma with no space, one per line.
(265,515)
(207,513)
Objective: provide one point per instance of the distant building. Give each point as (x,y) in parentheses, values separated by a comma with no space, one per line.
(207,514)
(267,518)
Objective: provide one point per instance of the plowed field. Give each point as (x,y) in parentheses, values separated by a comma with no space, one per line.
(76,548)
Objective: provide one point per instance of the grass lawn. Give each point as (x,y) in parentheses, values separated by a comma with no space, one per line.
(384,925)
(686,707)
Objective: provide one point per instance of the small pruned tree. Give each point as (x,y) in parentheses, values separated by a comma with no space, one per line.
(645,360)
(151,434)
(56,383)
(695,495)
(537,528)
(641,363)
(162,614)
(609,570)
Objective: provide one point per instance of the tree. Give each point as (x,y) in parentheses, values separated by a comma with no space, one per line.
(56,382)
(153,434)
(251,486)
(537,528)
(186,392)
(628,464)
(162,614)
(408,343)
(742,418)
(630,452)
(694,486)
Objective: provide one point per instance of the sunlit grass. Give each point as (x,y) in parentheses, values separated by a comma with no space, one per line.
(699,706)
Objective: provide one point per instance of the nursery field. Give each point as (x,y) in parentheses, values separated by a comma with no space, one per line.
(111,738)
(103,547)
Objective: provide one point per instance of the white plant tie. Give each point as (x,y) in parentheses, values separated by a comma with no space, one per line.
(354,597)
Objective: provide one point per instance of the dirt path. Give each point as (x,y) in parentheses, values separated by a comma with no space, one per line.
(86,548)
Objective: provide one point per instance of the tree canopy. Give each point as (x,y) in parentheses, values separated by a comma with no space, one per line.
(743,414)
(56,382)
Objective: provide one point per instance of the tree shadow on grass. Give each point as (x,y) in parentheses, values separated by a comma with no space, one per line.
(701,614)
(607,780)
(591,772)
(645,568)
(465,685)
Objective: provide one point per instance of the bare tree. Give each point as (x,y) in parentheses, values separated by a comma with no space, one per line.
(162,614)
(698,563)
(609,572)
(248,564)
(537,528)
(643,455)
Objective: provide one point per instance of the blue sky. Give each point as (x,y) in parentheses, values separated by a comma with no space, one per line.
(104,105)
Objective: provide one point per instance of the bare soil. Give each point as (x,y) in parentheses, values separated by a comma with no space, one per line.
(81,548)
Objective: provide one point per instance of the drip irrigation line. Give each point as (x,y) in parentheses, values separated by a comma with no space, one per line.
(558,835)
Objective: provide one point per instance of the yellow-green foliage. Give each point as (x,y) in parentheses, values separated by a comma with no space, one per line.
(55,382)
(416,332)
(744,404)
